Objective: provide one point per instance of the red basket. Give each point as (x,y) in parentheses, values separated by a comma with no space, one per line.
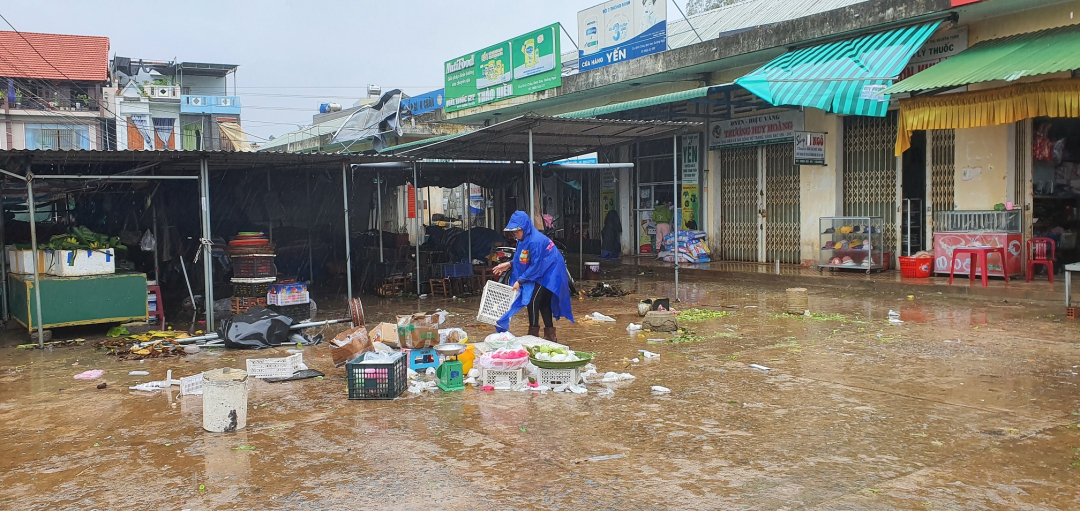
(915,267)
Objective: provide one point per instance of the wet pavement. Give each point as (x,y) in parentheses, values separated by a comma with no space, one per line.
(968,404)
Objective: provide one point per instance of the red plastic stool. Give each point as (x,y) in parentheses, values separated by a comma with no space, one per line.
(160,312)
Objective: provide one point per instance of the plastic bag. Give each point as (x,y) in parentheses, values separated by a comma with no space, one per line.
(452,335)
(148,242)
(500,340)
(490,360)
(255,329)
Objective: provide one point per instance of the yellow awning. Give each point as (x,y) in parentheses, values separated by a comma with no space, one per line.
(1052,98)
(232,131)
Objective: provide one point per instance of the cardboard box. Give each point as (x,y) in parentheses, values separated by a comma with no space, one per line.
(385,333)
(418,331)
(349,344)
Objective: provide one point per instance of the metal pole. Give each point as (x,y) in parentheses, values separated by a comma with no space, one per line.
(468,210)
(378,214)
(580,222)
(464,189)
(674,214)
(3,263)
(34,255)
(416,214)
(310,256)
(206,244)
(348,246)
(532,185)
(157,266)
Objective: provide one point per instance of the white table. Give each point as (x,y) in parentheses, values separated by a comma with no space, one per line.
(1069,268)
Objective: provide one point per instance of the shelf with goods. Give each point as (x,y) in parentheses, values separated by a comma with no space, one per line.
(852,243)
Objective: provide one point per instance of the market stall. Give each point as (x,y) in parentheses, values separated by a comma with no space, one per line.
(978,229)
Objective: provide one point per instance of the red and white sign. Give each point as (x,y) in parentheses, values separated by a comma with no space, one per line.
(411,194)
(942,45)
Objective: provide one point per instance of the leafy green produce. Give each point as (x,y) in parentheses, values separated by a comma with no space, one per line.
(701,314)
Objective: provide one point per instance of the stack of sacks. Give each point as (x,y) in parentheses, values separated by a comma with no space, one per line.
(692,247)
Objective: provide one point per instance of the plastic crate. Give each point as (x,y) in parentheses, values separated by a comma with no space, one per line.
(288,299)
(241,304)
(915,267)
(250,289)
(283,367)
(191,385)
(506,376)
(456,270)
(552,377)
(297,313)
(289,288)
(421,359)
(253,267)
(376,381)
(495,302)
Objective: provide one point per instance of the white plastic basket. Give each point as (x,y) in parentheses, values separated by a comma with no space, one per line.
(494,377)
(288,298)
(495,302)
(552,377)
(191,385)
(274,367)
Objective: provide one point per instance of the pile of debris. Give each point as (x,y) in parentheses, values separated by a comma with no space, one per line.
(603,289)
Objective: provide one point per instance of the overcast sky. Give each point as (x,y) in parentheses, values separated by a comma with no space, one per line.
(295,54)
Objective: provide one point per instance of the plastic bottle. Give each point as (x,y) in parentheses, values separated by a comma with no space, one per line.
(467,358)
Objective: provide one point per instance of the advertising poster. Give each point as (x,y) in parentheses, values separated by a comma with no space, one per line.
(522,65)
(621,30)
(411,194)
(607,192)
(689,199)
(809,148)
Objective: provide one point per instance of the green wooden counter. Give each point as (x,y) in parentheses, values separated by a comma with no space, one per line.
(70,301)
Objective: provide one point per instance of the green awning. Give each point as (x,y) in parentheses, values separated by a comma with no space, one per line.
(674,97)
(844,77)
(1008,58)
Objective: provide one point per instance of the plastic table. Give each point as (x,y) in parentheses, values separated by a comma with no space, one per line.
(1069,268)
(978,255)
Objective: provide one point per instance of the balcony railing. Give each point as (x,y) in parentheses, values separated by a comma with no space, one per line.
(75,105)
(198,104)
(162,91)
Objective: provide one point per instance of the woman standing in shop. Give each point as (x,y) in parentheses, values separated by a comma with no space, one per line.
(662,216)
(539,274)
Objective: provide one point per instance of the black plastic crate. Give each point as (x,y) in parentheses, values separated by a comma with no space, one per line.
(254,267)
(249,290)
(376,381)
(298,312)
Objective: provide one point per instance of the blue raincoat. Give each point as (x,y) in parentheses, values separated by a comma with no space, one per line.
(537,262)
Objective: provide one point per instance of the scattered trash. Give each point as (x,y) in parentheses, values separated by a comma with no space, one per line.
(701,314)
(611,377)
(154,386)
(603,458)
(303,374)
(632,327)
(894,317)
(92,374)
(635,360)
(603,289)
(596,316)
(102,385)
(660,390)
(648,354)
(139,373)
(759,367)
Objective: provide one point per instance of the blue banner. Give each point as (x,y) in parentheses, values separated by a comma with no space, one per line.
(653,40)
(424,103)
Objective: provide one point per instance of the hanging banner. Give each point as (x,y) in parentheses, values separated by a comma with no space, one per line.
(411,194)
(809,148)
(689,199)
(758,130)
(607,192)
(522,65)
(620,30)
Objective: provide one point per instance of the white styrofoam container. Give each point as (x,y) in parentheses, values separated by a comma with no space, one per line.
(22,261)
(77,263)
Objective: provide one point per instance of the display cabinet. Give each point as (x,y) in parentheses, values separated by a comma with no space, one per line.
(852,243)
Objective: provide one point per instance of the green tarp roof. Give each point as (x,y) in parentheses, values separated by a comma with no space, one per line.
(662,99)
(844,77)
(1007,58)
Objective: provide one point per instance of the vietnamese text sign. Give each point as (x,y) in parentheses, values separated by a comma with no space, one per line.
(522,65)
(424,103)
(758,130)
(942,45)
(691,163)
(620,30)
(809,148)
(411,200)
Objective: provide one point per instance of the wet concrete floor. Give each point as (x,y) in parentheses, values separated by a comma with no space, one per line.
(965,405)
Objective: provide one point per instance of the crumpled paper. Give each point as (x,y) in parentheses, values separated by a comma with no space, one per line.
(660,390)
(596,316)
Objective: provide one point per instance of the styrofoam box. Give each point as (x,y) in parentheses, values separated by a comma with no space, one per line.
(22,261)
(75,263)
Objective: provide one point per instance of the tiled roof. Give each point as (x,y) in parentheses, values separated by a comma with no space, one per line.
(74,57)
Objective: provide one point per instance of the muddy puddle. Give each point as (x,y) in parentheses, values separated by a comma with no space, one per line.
(961,405)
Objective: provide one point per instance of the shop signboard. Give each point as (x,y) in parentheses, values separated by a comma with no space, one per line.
(411,194)
(689,199)
(757,130)
(607,192)
(522,65)
(942,45)
(620,30)
(424,103)
(809,148)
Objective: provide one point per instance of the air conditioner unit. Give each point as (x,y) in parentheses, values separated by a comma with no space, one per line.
(195,101)
(224,101)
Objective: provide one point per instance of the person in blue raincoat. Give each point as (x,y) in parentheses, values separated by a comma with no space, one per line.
(538,273)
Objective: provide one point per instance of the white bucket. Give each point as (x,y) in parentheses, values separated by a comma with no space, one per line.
(224,400)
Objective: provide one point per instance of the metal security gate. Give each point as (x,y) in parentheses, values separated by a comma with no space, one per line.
(739,204)
(1022,186)
(942,177)
(870,177)
(782,191)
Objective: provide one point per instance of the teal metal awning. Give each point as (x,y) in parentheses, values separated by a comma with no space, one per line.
(662,99)
(843,77)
